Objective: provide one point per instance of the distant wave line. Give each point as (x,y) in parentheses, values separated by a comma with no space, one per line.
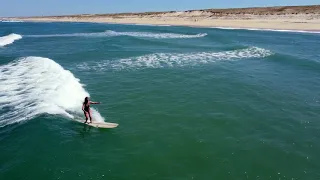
(110,33)
(261,29)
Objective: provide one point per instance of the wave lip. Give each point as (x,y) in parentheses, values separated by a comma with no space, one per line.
(110,33)
(9,39)
(32,86)
(160,60)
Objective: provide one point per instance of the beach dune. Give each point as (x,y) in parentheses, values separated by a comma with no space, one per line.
(282,17)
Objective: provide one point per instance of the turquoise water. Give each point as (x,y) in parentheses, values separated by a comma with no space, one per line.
(191,103)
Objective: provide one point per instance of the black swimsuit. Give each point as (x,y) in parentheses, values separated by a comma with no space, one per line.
(86,107)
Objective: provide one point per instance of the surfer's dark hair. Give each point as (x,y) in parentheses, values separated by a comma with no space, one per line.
(85,100)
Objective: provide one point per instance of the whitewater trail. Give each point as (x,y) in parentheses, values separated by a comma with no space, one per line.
(32,86)
(9,39)
(110,33)
(160,60)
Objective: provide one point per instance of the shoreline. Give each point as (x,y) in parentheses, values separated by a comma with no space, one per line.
(310,31)
(288,18)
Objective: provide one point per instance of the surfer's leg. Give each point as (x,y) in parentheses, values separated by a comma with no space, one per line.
(86,115)
(89,113)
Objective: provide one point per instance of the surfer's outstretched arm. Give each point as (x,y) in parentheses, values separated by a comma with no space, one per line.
(94,102)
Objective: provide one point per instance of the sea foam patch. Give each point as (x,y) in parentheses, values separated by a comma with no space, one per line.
(160,60)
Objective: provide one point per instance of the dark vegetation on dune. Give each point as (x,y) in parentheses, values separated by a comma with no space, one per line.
(278,10)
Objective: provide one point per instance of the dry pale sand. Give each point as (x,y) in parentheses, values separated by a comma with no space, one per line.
(288,17)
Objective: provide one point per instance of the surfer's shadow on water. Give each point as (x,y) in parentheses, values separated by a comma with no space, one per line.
(86,128)
(85,131)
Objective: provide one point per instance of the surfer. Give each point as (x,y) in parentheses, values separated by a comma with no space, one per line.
(86,108)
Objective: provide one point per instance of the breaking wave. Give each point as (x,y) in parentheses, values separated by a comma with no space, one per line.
(32,86)
(276,30)
(155,35)
(9,39)
(11,21)
(110,33)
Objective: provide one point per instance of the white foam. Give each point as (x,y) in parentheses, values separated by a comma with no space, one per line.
(155,35)
(276,30)
(34,85)
(143,24)
(99,34)
(159,60)
(11,21)
(165,25)
(110,33)
(9,39)
(138,24)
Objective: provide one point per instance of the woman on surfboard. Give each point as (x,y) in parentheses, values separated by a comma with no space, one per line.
(86,108)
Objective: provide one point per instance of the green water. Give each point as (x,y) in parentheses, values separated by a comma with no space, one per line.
(191,103)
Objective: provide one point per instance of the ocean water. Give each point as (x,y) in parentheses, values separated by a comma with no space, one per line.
(191,103)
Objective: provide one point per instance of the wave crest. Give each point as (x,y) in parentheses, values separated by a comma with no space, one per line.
(9,39)
(34,85)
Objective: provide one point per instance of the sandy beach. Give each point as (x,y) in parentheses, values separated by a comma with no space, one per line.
(283,18)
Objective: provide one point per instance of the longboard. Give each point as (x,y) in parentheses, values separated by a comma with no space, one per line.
(99,124)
